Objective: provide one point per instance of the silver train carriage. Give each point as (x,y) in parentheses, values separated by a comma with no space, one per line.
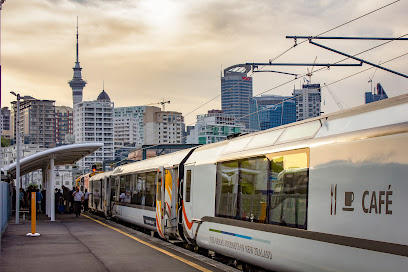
(323,194)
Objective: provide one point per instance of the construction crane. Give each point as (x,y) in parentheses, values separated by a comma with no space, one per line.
(310,73)
(335,98)
(163,103)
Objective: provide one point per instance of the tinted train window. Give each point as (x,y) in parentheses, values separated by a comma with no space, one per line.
(226,189)
(150,199)
(288,183)
(271,189)
(242,189)
(188,185)
(252,197)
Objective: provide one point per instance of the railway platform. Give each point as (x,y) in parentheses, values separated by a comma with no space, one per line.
(89,243)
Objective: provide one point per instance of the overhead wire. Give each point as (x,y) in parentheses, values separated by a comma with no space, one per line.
(281,54)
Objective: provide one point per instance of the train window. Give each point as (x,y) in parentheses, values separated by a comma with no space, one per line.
(159,186)
(252,189)
(226,189)
(242,189)
(134,189)
(127,195)
(150,190)
(188,186)
(288,188)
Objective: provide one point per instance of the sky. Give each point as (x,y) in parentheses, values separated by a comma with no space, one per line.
(147,51)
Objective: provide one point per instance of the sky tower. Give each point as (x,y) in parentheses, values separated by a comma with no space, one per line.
(77,83)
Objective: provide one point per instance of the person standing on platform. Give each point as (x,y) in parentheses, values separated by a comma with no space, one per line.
(43,202)
(39,199)
(86,200)
(66,195)
(78,199)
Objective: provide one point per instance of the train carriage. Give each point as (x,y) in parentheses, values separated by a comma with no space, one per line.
(323,194)
(147,193)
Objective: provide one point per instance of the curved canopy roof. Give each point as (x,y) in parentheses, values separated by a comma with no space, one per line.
(67,154)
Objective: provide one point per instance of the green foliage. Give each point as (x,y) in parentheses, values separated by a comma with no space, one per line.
(5,142)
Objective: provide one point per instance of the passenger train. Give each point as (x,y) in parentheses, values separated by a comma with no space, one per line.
(325,194)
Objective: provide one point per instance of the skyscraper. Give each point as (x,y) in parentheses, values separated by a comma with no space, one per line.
(93,122)
(63,123)
(308,100)
(268,111)
(77,83)
(129,127)
(378,94)
(37,121)
(236,91)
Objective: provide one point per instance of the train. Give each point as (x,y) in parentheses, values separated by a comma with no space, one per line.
(324,194)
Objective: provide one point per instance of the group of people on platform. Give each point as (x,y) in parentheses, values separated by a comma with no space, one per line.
(67,201)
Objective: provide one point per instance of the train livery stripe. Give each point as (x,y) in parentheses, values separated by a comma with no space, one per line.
(188,223)
(196,266)
(241,236)
(378,246)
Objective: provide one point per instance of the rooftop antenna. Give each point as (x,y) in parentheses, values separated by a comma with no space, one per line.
(370,79)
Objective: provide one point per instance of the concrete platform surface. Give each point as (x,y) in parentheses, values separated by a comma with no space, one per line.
(81,244)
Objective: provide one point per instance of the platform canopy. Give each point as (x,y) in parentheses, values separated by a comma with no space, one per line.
(67,154)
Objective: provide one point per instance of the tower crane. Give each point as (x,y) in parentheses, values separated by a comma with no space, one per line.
(335,98)
(163,103)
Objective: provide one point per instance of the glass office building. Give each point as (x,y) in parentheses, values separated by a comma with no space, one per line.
(236,92)
(270,111)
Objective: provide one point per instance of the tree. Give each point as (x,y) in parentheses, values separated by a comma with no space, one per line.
(5,142)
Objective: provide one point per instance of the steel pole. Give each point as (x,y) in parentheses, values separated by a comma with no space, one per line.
(18,162)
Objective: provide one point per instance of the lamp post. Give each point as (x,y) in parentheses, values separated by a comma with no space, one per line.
(17,159)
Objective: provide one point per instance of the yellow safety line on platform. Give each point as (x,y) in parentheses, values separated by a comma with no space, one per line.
(152,246)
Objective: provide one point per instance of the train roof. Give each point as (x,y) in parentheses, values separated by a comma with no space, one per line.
(100,176)
(377,114)
(168,160)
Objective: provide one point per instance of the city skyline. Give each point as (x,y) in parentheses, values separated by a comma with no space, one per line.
(147,51)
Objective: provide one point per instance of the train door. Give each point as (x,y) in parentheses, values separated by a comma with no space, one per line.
(102,202)
(170,219)
(187,201)
(160,202)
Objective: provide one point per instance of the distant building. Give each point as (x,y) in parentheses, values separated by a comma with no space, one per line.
(129,126)
(236,91)
(37,121)
(163,127)
(215,126)
(308,101)
(378,94)
(93,122)
(9,156)
(63,123)
(5,122)
(268,111)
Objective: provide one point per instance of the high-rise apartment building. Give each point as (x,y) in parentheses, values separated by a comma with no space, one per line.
(379,94)
(5,122)
(236,91)
(129,127)
(77,83)
(268,111)
(93,122)
(37,121)
(163,127)
(215,126)
(308,101)
(63,123)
